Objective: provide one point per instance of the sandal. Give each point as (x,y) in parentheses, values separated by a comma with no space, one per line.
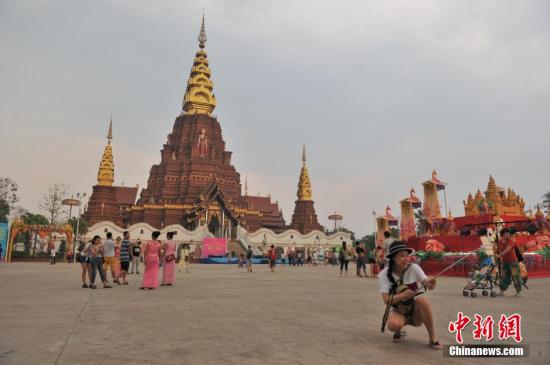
(399,336)
(107,287)
(84,286)
(435,345)
(125,283)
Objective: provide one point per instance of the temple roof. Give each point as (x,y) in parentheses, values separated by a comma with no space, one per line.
(304,184)
(199,96)
(106,173)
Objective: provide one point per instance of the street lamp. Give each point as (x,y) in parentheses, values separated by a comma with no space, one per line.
(77,222)
(375,230)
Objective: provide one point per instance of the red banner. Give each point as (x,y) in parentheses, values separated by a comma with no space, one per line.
(214,247)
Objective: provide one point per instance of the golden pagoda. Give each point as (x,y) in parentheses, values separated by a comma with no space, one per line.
(199,97)
(106,173)
(496,201)
(304,184)
(304,219)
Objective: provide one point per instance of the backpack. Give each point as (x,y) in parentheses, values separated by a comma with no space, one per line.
(519,255)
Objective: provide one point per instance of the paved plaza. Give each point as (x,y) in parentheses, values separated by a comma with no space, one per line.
(220,314)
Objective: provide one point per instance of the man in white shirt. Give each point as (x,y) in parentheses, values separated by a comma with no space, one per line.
(386,246)
(407,308)
(109,260)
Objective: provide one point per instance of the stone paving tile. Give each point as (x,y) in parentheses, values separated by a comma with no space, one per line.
(220,314)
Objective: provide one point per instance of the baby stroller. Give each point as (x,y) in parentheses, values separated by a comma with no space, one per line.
(485,279)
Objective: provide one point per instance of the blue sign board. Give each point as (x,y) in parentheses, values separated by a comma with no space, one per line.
(3,239)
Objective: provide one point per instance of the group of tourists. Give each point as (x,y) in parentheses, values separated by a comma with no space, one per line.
(101,256)
(400,281)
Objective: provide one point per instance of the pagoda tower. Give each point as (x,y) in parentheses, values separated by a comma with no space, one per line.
(195,183)
(108,202)
(304,219)
(432,211)
(408,205)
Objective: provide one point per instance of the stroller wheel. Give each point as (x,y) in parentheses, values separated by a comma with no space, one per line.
(474,295)
(485,293)
(493,294)
(465,293)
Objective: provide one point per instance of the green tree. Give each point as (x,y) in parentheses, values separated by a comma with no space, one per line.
(8,197)
(421,222)
(30,218)
(82,225)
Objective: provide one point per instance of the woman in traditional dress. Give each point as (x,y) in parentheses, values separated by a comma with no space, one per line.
(169,266)
(152,253)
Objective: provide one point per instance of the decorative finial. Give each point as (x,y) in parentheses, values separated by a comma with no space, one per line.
(304,159)
(202,34)
(110,133)
(246,185)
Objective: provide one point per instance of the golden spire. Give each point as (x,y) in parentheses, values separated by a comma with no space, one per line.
(106,173)
(304,184)
(199,96)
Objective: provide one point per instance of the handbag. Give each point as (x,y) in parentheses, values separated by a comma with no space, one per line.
(170,258)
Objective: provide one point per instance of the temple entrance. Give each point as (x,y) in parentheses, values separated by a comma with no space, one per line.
(214,226)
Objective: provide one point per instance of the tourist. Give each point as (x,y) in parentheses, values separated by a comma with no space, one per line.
(109,259)
(314,258)
(124,255)
(508,263)
(169,267)
(300,259)
(151,253)
(53,252)
(406,307)
(386,246)
(333,256)
(96,262)
(118,242)
(272,257)
(241,260)
(249,254)
(228,258)
(184,256)
(361,259)
(344,257)
(84,254)
(136,257)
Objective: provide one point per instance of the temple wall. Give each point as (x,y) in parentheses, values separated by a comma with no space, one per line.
(143,231)
(292,237)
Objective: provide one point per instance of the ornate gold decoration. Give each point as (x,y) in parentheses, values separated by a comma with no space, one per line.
(106,173)
(497,201)
(304,184)
(199,97)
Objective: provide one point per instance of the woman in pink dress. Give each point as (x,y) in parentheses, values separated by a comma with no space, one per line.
(152,253)
(169,265)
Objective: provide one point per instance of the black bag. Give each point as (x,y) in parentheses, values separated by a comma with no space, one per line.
(519,255)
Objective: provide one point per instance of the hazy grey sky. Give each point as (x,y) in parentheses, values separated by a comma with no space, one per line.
(381,92)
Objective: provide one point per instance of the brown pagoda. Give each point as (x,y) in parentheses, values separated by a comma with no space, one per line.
(195,183)
(304,219)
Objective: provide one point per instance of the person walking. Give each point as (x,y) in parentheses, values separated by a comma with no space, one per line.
(109,259)
(343,257)
(169,266)
(96,262)
(136,257)
(84,254)
(53,252)
(151,254)
(249,254)
(361,259)
(272,256)
(508,262)
(125,257)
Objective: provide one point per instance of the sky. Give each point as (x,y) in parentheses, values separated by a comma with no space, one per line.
(380,92)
